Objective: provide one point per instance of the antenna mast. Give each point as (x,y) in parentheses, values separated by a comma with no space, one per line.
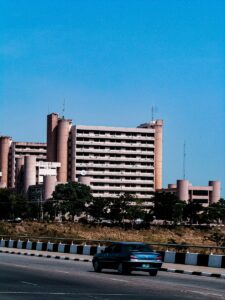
(184,161)
(63,110)
(152,113)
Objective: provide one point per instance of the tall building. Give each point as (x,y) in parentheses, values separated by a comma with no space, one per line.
(111,160)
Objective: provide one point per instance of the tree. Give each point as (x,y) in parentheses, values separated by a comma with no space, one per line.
(135,212)
(12,204)
(167,207)
(215,212)
(98,208)
(72,197)
(192,212)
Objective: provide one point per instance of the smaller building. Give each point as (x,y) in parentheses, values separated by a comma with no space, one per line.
(204,195)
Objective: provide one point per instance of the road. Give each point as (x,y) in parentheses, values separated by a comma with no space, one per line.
(27,277)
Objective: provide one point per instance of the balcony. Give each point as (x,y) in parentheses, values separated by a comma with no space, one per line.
(108,166)
(111,144)
(115,137)
(109,158)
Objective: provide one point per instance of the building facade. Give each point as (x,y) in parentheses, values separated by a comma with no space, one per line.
(111,160)
(204,195)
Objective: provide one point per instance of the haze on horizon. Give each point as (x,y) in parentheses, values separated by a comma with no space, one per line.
(112,61)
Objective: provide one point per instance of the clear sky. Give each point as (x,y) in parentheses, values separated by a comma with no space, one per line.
(112,60)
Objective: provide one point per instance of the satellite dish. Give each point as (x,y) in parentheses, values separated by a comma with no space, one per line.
(83,172)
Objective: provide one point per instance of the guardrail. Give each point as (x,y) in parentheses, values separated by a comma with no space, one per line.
(159,246)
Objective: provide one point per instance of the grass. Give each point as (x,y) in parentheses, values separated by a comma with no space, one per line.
(71,231)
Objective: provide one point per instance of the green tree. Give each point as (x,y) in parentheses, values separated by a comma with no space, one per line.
(98,208)
(12,204)
(166,206)
(192,212)
(72,197)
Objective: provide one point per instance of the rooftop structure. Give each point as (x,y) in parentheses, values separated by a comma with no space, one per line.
(204,195)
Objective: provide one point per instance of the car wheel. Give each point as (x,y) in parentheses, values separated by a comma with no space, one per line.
(153,272)
(122,270)
(97,266)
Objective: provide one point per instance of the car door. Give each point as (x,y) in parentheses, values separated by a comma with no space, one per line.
(116,256)
(106,257)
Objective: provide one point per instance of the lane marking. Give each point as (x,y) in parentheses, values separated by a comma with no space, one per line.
(30,283)
(115,279)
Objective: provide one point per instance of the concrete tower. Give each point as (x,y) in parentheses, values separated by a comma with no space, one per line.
(29,172)
(158,126)
(52,123)
(183,190)
(49,186)
(63,131)
(214,195)
(5,143)
(19,173)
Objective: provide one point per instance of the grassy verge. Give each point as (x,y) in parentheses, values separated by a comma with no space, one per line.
(179,235)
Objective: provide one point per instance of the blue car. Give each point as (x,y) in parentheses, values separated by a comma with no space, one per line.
(126,257)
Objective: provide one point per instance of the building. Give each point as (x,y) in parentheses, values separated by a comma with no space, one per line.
(111,160)
(204,195)
(12,156)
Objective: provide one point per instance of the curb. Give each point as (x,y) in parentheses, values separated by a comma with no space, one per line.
(196,273)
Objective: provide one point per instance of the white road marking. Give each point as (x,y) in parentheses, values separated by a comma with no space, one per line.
(115,279)
(30,283)
(207,294)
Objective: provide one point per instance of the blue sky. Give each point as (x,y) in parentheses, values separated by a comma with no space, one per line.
(112,60)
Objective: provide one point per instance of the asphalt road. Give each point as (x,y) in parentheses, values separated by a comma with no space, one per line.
(25,277)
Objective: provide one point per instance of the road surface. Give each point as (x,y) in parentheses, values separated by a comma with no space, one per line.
(27,277)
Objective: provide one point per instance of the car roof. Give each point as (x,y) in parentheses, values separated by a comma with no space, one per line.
(129,243)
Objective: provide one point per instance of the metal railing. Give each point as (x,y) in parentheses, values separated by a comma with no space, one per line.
(159,246)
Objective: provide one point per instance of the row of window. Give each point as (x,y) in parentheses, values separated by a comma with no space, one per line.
(124,185)
(109,148)
(115,163)
(147,142)
(97,132)
(112,170)
(114,155)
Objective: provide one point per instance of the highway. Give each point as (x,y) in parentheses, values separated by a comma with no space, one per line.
(27,277)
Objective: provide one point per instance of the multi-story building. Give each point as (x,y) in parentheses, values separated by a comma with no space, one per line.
(204,195)
(12,156)
(111,160)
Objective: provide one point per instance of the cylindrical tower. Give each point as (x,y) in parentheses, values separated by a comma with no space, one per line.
(49,186)
(52,123)
(158,126)
(29,172)
(84,180)
(214,195)
(62,148)
(182,190)
(5,142)
(19,173)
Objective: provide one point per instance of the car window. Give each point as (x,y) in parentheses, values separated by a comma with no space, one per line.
(108,249)
(138,247)
(116,249)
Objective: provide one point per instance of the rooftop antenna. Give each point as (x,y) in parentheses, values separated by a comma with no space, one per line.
(184,161)
(152,113)
(63,110)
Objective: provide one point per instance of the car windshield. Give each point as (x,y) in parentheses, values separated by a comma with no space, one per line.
(139,248)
